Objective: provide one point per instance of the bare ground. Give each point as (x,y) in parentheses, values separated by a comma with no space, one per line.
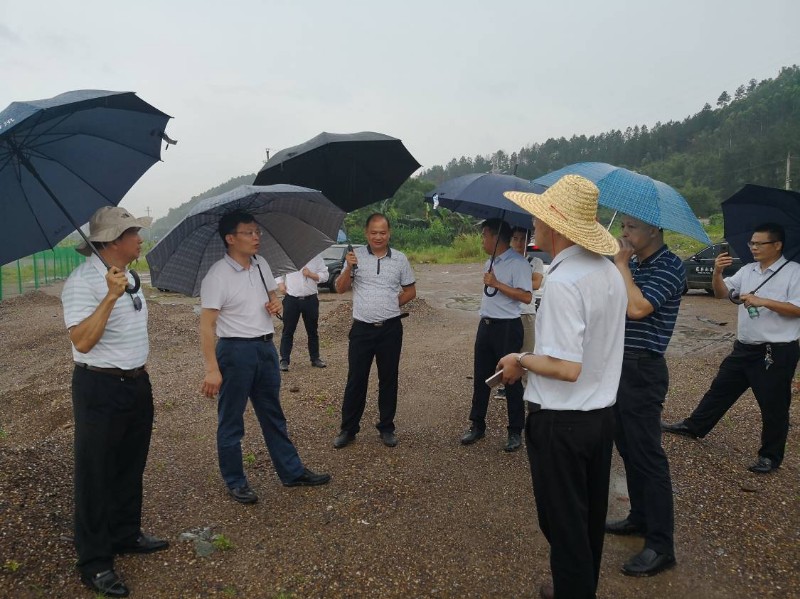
(427,518)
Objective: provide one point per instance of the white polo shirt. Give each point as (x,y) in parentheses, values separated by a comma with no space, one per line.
(581,319)
(124,341)
(769,327)
(239,295)
(377,284)
(299,285)
(536,266)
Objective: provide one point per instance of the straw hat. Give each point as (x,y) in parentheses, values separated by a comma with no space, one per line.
(570,207)
(108,223)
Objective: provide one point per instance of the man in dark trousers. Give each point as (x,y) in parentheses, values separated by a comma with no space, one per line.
(765,353)
(382,281)
(654,279)
(112,399)
(509,284)
(573,376)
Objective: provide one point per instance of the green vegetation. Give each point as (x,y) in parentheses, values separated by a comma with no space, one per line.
(249,459)
(221,542)
(11,565)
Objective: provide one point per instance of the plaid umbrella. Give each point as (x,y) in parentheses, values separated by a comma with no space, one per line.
(637,195)
(298,224)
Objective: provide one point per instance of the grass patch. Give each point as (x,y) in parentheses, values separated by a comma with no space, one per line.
(221,542)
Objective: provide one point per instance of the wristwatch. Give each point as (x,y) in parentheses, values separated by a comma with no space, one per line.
(522,355)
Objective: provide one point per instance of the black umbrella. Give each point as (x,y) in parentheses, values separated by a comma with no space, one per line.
(352,170)
(64,157)
(754,205)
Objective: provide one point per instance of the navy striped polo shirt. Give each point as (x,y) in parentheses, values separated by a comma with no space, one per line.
(661,278)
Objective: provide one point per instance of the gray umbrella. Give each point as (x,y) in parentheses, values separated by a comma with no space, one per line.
(298,224)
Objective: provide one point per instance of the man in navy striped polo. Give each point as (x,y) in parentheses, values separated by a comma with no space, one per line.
(654,279)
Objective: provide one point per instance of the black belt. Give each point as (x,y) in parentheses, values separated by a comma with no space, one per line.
(126,374)
(641,353)
(486,320)
(267,337)
(300,297)
(766,343)
(382,322)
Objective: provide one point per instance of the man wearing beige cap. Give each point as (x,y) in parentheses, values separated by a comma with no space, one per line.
(573,374)
(112,399)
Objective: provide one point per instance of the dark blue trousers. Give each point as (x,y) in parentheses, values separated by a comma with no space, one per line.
(249,368)
(293,309)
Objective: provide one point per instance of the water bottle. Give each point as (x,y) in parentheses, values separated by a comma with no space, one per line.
(752,312)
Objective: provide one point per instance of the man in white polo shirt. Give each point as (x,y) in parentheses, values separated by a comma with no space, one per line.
(238,301)
(382,280)
(301,298)
(112,399)
(573,375)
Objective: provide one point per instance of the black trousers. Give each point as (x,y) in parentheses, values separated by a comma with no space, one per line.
(570,458)
(495,339)
(113,424)
(293,308)
(640,401)
(383,344)
(745,368)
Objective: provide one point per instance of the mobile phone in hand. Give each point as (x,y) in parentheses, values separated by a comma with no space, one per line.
(724,248)
(495,379)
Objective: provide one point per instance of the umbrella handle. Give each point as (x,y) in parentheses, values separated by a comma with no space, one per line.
(488,293)
(137,283)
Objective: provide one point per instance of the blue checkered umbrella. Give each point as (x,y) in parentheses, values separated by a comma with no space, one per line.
(637,195)
(298,224)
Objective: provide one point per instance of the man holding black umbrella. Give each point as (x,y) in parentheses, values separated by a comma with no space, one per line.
(765,354)
(112,400)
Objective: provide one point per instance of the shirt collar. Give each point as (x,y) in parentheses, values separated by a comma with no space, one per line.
(652,257)
(234,264)
(388,251)
(566,253)
(772,267)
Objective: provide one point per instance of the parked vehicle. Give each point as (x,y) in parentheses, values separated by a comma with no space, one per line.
(700,267)
(334,260)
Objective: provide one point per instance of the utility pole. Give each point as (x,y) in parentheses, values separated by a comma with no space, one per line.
(149,230)
(267,160)
(788,169)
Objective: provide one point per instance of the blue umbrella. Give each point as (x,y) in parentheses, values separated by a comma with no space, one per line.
(63,158)
(637,195)
(297,223)
(481,195)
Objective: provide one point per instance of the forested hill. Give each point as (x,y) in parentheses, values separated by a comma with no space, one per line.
(707,156)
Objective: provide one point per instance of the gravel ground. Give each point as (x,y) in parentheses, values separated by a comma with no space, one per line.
(427,518)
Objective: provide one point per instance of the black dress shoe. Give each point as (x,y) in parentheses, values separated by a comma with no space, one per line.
(679,428)
(144,544)
(763,466)
(284,366)
(624,527)
(343,439)
(546,590)
(389,439)
(318,363)
(106,583)
(647,563)
(243,494)
(472,435)
(309,479)
(514,442)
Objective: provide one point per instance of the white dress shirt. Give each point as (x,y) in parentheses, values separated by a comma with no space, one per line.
(299,285)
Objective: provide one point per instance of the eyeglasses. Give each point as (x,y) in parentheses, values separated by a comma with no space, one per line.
(255,233)
(758,244)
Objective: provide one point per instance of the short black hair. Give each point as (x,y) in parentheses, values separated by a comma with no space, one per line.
(229,222)
(776,231)
(375,215)
(519,230)
(499,227)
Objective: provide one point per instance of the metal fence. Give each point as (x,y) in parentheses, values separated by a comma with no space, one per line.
(39,269)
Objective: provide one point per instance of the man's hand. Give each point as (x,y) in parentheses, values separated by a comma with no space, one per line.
(625,253)
(722,261)
(489,279)
(351,259)
(512,371)
(211,383)
(117,282)
(274,305)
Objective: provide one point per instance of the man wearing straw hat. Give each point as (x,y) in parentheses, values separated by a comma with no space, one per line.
(573,375)
(112,399)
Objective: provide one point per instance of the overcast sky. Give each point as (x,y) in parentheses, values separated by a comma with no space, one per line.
(449,78)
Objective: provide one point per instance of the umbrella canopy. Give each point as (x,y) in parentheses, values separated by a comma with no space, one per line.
(754,205)
(352,169)
(298,224)
(637,195)
(63,158)
(481,195)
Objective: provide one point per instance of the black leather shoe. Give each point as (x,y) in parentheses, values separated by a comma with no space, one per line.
(679,428)
(389,439)
(343,439)
(309,479)
(763,466)
(318,363)
(624,527)
(647,563)
(284,366)
(243,494)
(472,435)
(546,590)
(144,544)
(514,442)
(106,583)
